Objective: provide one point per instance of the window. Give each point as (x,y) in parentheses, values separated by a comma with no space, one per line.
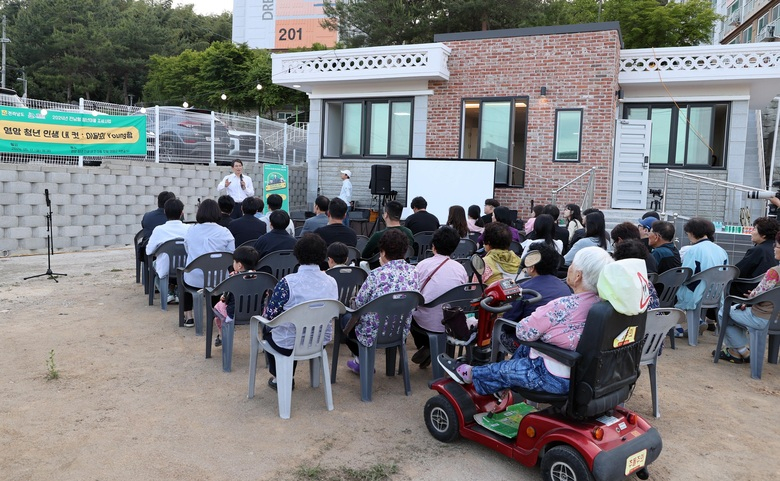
(496,129)
(762,22)
(748,35)
(369,128)
(685,135)
(568,130)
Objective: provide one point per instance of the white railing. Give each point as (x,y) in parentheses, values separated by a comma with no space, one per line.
(409,61)
(708,58)
(575,186)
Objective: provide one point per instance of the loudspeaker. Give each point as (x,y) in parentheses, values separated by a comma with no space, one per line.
(380,179)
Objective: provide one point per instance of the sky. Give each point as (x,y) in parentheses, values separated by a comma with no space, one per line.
(207,7)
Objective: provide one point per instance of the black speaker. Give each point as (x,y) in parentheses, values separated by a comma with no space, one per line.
(380,179)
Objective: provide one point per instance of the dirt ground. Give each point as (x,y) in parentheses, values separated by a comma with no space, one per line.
(137,400)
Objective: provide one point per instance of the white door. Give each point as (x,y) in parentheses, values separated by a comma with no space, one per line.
(632,164)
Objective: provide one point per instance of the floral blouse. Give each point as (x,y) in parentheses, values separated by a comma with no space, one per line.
(394,276)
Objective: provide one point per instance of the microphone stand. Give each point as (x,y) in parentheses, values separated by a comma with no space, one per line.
(49,245)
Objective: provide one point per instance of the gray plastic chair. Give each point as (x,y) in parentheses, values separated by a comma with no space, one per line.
(716,281)
(312,320)
(666,285)
(758,338)
(349,281)
(249,243)
(466,248)
(395,315)
(361,242)
(278,264)
(422,243)
(458,296)
(214,266)
(353,255)
(177,257)
(249,291)
(139,237)
(516,247)
(659,322)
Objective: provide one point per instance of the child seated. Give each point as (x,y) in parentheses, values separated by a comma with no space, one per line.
(245,259)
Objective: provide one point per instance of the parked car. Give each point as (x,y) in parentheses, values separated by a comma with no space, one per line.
(185,134)
(9,98)
(243,145)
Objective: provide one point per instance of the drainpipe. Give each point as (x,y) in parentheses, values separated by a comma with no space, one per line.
(774,145)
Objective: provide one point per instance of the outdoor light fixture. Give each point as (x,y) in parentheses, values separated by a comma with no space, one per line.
(619,94)
(185,105)
(223,97)
(259,86)
(44,112)
(543,92)
(143,110)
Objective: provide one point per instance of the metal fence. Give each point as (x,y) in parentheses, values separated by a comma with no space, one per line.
(178,135)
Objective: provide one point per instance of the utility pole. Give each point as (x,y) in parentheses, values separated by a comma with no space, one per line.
(4,41)
(23,79)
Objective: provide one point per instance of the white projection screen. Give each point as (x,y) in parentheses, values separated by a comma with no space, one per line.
(447,182)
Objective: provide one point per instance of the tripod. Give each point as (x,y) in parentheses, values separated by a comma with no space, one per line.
(49,245)
(381,200)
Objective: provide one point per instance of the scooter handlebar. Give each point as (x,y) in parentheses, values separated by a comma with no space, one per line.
(485,303)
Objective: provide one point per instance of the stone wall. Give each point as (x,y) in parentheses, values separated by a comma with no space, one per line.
(97,207)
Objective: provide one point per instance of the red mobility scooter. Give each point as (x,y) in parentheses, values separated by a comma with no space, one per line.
(584,435)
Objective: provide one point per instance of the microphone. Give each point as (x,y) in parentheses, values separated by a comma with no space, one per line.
(48,202)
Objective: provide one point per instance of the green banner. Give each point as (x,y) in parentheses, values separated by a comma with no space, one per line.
(56,132)
(275,181)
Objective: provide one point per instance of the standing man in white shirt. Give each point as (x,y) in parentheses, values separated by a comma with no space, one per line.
(236,185)
(346,192)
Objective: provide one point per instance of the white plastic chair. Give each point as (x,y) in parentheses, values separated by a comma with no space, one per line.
(659,321)
(312,319)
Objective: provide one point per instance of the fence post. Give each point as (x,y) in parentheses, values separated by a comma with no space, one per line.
(81,109)
(156,134)
(213,121)
(257,139)
(284,145)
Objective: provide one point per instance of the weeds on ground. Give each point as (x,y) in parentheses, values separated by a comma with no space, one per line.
(51,368)
(377,472)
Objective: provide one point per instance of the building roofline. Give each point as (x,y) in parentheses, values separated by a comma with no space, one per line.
(531,31)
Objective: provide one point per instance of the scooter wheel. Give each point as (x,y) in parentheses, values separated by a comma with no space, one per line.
(441,419)
(564,463)
(643,474)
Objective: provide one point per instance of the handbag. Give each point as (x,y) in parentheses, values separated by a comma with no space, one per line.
(454,320)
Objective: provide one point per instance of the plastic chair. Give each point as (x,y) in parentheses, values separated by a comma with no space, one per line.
(474,236)
(422,243)
(466,248)
(249,291)
(349,281)
(298,231)
(312,320)
(177,257)
(278,263)
(667,284)
(758,337)
(459,296)
(361,242)
(353,255)
(214,266)
(716,281)
(659,322)
(139,237)
(250,243)
(515,247)
(394,311)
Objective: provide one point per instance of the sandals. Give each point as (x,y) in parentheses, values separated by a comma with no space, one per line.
(725,355)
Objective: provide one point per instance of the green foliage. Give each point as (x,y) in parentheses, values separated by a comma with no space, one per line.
(51,368)
(377,472)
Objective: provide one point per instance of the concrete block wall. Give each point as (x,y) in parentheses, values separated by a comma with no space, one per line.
(102,206)
(330,182)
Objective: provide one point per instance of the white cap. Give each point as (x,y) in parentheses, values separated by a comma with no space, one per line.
(348,172)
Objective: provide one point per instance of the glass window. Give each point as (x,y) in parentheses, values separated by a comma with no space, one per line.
(371,128)
(568,128)
(496,129)
(692,135)
(749,34)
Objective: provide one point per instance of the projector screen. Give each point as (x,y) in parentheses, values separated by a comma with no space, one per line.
(447,182)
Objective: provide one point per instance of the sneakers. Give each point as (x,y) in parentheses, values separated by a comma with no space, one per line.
(272,384)
(353,366)
(189,323)
(172,299)
(217,342)
(450,366)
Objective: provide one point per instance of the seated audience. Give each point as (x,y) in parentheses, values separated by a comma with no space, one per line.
(393,275)
(759,258)
(247,227)
(573,219)
(421,220)
(502,215)
(537,210)
(174,228)
(559,323)
(437,275)
(544,229)
(226,206)
(628,231)
(595,235)
(274,203)
(392,217)
(561,233)
(736,349)
(337,254)
(202,238)
(500,262)
(152,219)
(308,284)
(473,218)
(336,231)
(320,218)
(278,238)
(244,259)
(665,253)
(457,220)
(487,218)
(580,233)
(635,249)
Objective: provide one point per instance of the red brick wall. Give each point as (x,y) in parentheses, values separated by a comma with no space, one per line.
(580,70)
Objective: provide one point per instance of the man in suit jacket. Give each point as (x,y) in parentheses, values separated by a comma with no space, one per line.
(247,227)
(320,219)
(277,239)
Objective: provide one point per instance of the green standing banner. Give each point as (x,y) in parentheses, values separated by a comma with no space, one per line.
(33,131)
(275,181)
